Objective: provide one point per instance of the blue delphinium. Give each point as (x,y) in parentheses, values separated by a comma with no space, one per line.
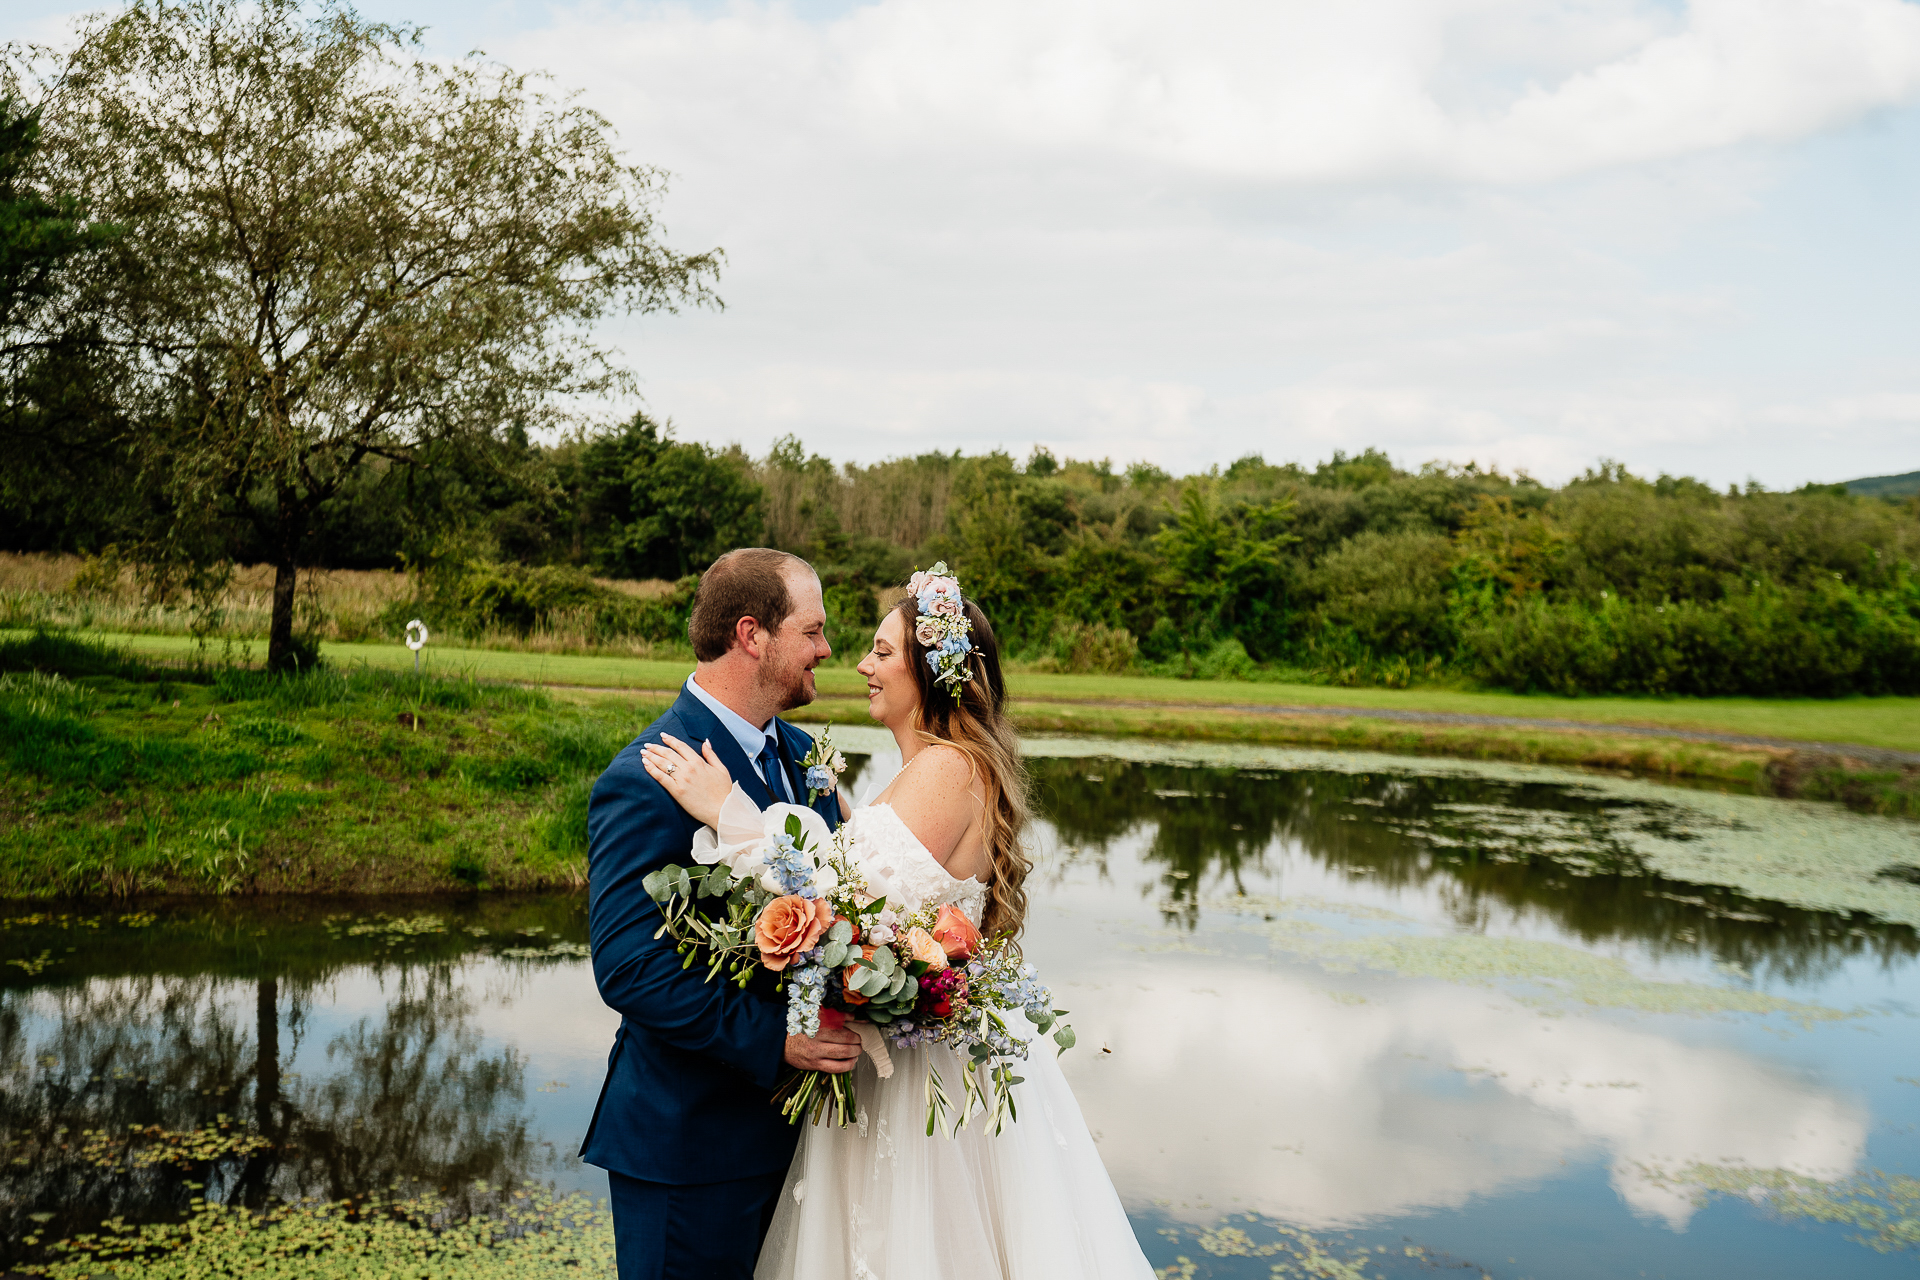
(806,988)
(792,869)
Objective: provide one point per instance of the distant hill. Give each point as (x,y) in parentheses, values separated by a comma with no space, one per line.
(1886,486)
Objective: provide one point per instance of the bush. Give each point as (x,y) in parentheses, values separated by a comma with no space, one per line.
(1388,593)
(1830,641)
(1088,646)
(487,595)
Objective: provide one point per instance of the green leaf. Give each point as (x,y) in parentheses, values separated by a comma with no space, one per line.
(1065,1038)
(794,828)
(842,931)
(875,907)
(834,955)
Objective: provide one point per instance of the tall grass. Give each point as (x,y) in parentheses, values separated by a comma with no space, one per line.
(342,605)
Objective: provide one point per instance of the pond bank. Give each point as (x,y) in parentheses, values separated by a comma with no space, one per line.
(1866,779)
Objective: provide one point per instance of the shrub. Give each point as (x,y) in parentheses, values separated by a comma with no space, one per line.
(1825,642)
(1088,646)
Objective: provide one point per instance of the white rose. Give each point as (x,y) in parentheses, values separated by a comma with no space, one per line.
(880,934)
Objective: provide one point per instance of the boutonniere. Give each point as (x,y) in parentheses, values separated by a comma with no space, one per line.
(823,765)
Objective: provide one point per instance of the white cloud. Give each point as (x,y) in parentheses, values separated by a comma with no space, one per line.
(1370,90)
(1530,232)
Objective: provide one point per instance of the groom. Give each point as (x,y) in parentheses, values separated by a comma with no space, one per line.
(694,1149)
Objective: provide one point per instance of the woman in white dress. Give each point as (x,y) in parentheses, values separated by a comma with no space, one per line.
(880,1200)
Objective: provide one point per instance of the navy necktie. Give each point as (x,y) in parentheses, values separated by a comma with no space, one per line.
(773,771)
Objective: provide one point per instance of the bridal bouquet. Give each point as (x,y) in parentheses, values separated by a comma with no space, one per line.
(774,891)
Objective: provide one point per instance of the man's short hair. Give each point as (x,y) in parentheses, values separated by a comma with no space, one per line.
(750,582)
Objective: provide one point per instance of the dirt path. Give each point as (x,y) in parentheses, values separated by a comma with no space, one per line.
(1884,756)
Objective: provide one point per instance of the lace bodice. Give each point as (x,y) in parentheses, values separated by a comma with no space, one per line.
(883,845)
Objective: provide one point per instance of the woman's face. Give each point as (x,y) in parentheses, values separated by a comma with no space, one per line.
(892,695)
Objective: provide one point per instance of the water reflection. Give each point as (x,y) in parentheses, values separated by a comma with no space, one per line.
(265,1051)
(1476,843)
(133,1093)
(1233,1087)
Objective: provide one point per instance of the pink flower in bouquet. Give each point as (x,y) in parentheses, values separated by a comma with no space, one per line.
(788,927)
(956,933)
(927,633)
(923,948)
(939,992)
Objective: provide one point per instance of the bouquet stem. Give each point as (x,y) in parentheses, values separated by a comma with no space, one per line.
(808,1094)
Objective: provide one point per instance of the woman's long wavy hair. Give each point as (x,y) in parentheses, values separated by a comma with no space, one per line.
(975,723)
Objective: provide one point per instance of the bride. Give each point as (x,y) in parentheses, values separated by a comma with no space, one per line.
(880,1200)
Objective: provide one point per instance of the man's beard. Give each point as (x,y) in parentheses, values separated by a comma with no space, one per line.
(789,689)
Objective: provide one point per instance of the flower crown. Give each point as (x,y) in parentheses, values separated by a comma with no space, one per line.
(943,627)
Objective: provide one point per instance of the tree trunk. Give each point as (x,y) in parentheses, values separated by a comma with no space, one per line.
(280,654)
(266,1056)
(258,1173)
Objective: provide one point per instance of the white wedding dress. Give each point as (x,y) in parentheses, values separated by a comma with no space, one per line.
(881,1200)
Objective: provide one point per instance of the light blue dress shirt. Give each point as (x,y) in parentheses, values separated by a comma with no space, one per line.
(753,740)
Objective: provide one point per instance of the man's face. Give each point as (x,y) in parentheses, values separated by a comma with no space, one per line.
(787,662)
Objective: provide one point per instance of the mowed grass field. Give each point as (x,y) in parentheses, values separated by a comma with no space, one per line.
(1122,704)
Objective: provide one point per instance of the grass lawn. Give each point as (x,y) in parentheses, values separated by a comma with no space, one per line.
(123,778)
(1879,722)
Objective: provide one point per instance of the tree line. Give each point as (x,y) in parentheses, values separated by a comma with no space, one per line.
(277,289)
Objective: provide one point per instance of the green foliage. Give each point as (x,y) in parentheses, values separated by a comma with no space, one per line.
(228,781)
(529,1235)
(480,595)
(332,253)
(653,507)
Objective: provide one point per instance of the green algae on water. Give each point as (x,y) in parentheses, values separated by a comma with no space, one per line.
(1809,854)
(533,1236)
(1549,975)
(1884,1206)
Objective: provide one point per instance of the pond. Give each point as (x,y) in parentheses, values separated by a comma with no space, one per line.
(1338,1016)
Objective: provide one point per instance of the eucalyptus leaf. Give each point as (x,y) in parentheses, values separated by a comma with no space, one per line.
(842,931)
(1065,1038)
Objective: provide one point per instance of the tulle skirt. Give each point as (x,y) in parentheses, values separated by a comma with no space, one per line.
(881,1200)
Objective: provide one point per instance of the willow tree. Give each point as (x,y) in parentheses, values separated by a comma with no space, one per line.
(334,253)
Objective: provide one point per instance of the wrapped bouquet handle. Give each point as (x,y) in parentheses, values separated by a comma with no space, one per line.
(872,1043)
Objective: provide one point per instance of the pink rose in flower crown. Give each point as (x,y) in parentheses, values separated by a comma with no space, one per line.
(918,582)
(942,586)
(946,607)
(956,934)
(927,633)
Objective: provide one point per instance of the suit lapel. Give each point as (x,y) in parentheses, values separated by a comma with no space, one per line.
(796,742)
(703,727)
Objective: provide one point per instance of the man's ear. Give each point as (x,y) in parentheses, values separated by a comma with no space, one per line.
(751,636)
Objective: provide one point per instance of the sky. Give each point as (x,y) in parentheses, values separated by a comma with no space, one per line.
(1532,234)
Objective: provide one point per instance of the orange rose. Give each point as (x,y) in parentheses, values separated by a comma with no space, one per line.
(925,949)
(956,933)
(787,927)
(854,997)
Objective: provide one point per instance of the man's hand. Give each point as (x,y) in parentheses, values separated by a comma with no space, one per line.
(834,1050)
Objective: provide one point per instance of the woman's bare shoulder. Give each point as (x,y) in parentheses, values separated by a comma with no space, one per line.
(939,770)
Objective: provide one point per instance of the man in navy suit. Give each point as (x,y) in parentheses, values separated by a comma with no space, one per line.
(694,1148)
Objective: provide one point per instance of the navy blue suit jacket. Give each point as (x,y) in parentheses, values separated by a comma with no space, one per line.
(687,1098)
